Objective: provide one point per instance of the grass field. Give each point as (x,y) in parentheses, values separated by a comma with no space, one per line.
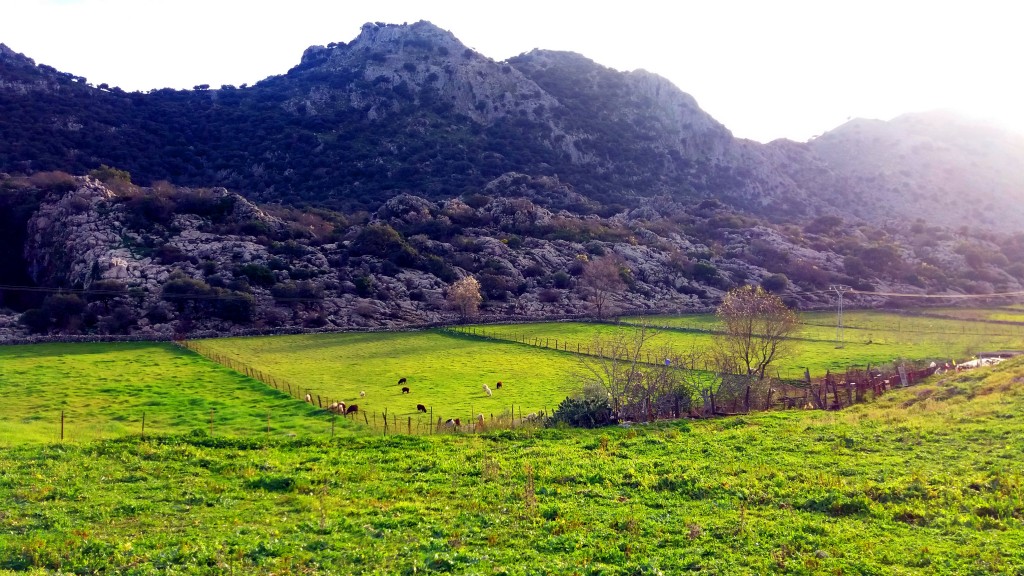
(444,372)
(929,480)
(870,338)
(104,390)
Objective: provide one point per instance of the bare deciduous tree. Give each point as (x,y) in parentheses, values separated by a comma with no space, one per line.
(757,330)
(643,378)
(601,278)
(464,296)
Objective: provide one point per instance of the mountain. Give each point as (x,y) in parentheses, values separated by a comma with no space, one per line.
(355,188)
(400,108)
(937,165)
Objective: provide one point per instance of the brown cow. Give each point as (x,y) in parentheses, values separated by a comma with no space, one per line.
(352,409)
(421,408)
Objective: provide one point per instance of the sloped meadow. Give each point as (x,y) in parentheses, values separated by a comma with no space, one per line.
(926,480)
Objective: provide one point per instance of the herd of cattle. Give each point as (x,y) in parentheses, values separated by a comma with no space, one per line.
(452,423)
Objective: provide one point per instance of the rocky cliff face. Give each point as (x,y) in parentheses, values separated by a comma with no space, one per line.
(426,63)
(155,261)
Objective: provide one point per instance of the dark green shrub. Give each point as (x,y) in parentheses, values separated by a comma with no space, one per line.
(233,306)
(364,285)
(63,309)
(775,283)
(257,274)
(561,279)
(705,272)
(35,320)
(584,412)
(385,242)
(297,291)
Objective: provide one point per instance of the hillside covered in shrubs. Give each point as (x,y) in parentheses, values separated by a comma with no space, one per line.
(102,255)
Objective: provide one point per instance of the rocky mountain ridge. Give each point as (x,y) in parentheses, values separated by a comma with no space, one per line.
(409,108)
(354,189)
(158,261)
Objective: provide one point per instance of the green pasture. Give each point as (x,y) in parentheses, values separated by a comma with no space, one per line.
(879,326)
(104,390)
(880,339)
(1013,313)
(928,480)
(444,372)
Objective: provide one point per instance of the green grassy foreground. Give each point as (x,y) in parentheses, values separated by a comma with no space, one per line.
(105,389)
(928,480)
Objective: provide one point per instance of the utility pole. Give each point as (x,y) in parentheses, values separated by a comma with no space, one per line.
(839,289)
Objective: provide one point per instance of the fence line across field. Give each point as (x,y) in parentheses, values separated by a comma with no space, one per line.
(385,422)
(846,389)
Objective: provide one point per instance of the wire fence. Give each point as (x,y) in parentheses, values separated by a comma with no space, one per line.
(834,390)
(72,426)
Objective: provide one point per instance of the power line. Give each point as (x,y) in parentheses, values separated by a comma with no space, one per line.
(226,295)
(956,296)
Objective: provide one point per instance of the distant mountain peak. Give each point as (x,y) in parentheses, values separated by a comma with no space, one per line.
(379,39)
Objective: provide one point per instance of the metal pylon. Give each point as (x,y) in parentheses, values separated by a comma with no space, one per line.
(839,289)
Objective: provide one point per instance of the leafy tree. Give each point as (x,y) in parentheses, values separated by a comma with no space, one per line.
(464,296)
(757,327)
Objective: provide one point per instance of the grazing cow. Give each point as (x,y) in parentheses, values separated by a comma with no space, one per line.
(498,385)
(405,389)
(337,407)
(421,408)
(309,398)
(401,380)
(362,393)
(352,409)
(487,389)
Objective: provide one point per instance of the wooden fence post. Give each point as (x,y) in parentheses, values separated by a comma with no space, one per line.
(61,425)
(143,425)
(211,421)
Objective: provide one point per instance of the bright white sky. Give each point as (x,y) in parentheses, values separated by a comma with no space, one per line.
(765,68)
